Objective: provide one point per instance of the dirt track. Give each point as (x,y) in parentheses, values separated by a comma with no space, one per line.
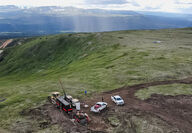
(6,43)
(177,111)
(174,110)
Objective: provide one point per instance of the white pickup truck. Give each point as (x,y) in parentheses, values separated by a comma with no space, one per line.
(117,100)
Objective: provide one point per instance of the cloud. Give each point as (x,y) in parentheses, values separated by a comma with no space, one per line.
(182,6)
(188,2)
(164,5)
(42,2)
(134,3)
(105,2)
(148,8)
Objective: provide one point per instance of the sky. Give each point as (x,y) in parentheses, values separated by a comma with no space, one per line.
(178,6)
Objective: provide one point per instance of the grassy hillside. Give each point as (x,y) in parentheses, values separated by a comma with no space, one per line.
(94,62)
(175,89)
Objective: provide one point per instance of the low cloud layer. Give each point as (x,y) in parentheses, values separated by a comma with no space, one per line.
(180,6)
(105,2)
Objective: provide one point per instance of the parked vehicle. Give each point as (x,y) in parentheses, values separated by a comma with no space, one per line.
(53,96)
(98,107)
(117,100)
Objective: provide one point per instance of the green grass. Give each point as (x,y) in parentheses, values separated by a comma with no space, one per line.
(173,90)
(95,62)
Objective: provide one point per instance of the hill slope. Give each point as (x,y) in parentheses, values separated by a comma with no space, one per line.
(94,62)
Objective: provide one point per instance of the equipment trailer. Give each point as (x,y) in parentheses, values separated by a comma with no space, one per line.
(64,104)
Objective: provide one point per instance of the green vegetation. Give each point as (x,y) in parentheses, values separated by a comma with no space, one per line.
(175,89)
(94,62)
(114,121)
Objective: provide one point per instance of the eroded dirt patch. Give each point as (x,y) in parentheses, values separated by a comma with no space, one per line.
(48,115)
(176,110)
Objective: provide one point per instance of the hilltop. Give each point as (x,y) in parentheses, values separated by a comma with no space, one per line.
(96,62)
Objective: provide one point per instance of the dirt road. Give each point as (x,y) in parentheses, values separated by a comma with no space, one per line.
(6,43)
(177,111)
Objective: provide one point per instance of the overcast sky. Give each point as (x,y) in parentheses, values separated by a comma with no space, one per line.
(180,6)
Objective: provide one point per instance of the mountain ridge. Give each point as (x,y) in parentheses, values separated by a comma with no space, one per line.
(52,20)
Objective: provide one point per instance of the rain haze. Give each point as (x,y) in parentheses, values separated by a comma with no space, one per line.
(61,16)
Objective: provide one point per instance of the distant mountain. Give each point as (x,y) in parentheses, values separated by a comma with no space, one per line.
(170,15)
(51,20)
